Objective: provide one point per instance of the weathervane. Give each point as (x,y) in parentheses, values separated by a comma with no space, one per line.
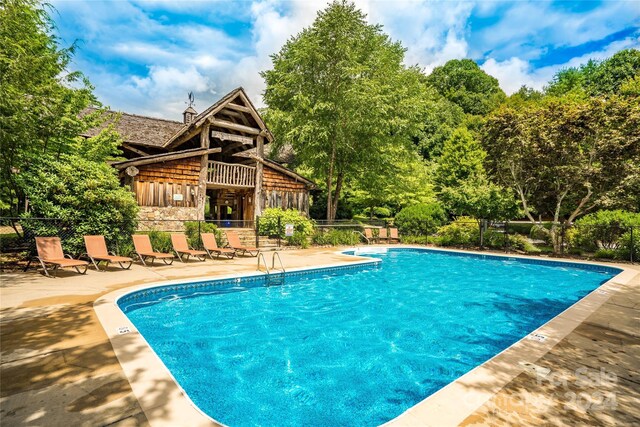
(191,99)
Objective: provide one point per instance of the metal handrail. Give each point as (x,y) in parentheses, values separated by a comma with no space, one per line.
(273,261)
(266,267)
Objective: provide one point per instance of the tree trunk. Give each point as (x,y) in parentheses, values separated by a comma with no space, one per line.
(330,182)
(336,196)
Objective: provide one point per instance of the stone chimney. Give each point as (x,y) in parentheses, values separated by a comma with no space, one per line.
(188,115)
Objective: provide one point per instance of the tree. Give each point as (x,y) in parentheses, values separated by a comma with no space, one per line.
(462,82)
(598,78)
(563,157)
(83,195)
(463,185)
(40,99)
(340,96)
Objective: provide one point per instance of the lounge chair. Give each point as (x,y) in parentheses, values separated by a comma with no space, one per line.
(211,246)
(382,235)
(393,235)
(181,248)
(97,253)
(368,234)
(142,245)
(234,243)
(50,254)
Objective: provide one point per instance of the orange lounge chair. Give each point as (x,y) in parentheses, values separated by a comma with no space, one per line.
(234,243)
(393,235)
(142,244)
(368,234)
(181,247)
(97,252)
(382,234)
(211,246)
(50,254)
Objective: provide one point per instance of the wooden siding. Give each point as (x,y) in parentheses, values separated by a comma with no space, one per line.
(160,194)
(155,184)
(184,171)
(274,180)
(282,191)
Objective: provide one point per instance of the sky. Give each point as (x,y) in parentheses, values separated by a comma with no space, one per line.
(143,57)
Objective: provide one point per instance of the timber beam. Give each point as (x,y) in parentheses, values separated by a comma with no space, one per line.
(238,107)
(222,136)
(234,126)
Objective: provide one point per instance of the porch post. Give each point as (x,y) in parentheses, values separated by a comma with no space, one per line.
(257,196)
(202,179)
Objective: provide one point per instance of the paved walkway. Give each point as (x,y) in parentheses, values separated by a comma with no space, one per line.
(57,367)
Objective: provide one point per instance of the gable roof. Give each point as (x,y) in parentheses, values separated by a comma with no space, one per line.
(246,108)
(138,130)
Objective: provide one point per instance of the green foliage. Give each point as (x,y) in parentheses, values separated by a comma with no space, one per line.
(416,240)
(335,237)
(40,98)
(605,254)
(463,82)
(302,226)
(462,232)
(340,95)
(598,78)
(421,219)
(193,229)
(441,119)
(160,241)
(559,155)
(462,158)
(83,194)
(604,230)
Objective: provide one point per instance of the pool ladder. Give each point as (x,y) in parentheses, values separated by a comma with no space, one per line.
(274,277)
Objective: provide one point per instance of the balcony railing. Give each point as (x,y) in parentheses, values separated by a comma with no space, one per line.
(231,175)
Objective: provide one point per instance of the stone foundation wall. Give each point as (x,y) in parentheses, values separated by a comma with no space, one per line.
(166,218)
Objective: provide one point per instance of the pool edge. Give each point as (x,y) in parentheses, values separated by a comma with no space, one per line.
(144,369)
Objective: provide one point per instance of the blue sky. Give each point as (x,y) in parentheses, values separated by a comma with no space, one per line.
(145,56)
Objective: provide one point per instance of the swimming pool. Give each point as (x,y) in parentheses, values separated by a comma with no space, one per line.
(354,346)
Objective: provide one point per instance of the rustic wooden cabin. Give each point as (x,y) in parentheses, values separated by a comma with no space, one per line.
(215,159)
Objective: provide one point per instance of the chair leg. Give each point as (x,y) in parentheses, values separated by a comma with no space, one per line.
(95,264)
(44,268)
(127,267)
(167,261)
(142,260)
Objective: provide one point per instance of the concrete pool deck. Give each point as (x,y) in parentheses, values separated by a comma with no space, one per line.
(58,366)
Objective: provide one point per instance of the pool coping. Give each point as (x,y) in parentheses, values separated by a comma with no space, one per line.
(448,406)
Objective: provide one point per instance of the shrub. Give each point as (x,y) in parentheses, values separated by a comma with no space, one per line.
(606,229)
(335,237)
(160,241)
(82,197)
(191,230)
(605,253)
(422,219)
(462,232)
(540,232)
(302,226)
(416,240)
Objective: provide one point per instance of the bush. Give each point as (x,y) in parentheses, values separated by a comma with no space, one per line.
(422,219)
(302,226)
(160,241)
(81,197)
(605,254)
(540,232)
(462,232)
(606,229)
(416,240)
(191,230)
(335,237)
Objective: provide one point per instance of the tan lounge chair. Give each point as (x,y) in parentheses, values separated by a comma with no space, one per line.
(181,248)
(142,244)
(393,235)
(50,254)
(97,253)
(382,235)
(368,234)
(211,246)
(234,243)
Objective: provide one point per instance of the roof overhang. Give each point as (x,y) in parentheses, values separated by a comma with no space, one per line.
(164,157)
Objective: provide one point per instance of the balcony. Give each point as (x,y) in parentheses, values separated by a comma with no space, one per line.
(230,175)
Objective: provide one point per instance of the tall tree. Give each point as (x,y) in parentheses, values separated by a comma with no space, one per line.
(563,157)
(598,78)
(40,98)
(339,94)
(463,82)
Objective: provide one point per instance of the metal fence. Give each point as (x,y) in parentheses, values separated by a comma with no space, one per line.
(617,242)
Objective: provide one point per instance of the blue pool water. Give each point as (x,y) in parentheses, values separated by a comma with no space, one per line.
(357,346)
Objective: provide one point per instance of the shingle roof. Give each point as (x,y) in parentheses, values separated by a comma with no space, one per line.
(140,130)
